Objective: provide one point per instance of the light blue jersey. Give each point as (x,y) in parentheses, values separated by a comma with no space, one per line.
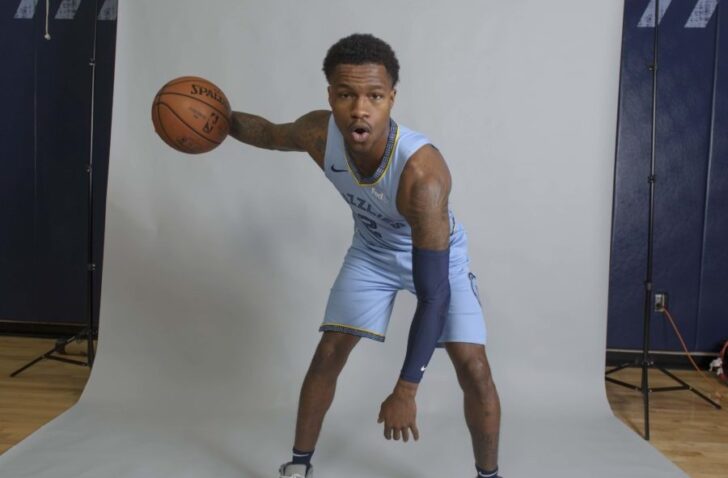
(373,200)
(379,261)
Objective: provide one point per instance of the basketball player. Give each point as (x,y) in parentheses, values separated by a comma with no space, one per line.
(406,237)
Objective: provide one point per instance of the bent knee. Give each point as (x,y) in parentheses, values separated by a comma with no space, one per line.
(331,355)
(474,376)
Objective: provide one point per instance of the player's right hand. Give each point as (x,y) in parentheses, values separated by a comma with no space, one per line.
(399,415)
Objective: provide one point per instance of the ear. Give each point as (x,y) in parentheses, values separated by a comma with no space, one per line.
(393,95)
(330,92)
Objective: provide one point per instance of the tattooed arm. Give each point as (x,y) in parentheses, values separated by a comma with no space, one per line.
(423,200)
(307,133)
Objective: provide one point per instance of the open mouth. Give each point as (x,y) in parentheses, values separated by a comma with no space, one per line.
(359,134)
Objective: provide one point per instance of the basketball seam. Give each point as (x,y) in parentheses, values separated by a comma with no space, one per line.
(177,82)
(186,79)
(161,125)
(188,125)
(222,115)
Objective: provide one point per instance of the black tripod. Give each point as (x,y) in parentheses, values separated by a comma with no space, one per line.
(646,363)
(90,331)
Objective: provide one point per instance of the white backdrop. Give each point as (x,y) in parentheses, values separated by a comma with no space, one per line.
(217,267)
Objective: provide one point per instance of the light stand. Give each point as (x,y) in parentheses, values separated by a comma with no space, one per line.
(90,331)
(647,362)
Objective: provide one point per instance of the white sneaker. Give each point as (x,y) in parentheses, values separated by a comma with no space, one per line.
(289,470)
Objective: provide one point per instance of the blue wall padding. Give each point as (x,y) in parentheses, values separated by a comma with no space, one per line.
(684,105)
(713,313)
(45,152)
(629,229)
(63,119)
(17,174)
(690,193)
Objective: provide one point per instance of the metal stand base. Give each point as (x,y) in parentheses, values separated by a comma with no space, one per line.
(645,389)
(60,348)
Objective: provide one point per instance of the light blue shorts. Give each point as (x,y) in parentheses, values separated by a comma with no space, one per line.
(362,296)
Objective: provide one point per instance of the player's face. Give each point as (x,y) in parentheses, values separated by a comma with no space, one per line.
(361,98)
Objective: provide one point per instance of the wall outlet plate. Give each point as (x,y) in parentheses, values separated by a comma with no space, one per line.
(660,301)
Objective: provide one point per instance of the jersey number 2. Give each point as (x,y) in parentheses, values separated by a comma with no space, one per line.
(370,224)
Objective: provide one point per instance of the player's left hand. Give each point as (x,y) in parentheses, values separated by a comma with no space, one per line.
(399,414)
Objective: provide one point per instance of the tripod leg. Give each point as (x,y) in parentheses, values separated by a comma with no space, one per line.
(646,399)
(59,347)
(688,387)
(90,353)
(618,368)
(28,365)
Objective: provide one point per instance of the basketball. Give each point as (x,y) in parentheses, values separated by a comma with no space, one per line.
(191,114)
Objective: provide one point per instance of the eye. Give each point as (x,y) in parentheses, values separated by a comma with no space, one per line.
(344,95)
(376,96)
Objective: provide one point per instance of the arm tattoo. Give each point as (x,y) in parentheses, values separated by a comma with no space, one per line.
(252,130)
(429,220)
(428,214)
(307,133)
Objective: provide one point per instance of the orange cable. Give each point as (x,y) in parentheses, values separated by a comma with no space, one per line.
(717,394)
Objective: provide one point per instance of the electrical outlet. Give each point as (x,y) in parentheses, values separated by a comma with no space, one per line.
(660,301)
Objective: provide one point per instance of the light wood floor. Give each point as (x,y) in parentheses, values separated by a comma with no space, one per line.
(687,430)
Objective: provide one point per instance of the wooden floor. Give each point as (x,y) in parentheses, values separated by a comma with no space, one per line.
(687,430)
(40,393)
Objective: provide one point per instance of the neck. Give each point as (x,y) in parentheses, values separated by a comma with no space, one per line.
(367,163)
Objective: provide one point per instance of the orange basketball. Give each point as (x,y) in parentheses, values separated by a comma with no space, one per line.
(191,115)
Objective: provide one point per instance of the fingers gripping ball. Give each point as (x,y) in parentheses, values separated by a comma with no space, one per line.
(191,114)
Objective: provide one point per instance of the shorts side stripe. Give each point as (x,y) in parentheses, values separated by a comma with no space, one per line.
(332,327)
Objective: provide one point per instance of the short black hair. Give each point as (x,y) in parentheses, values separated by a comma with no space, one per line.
(359,49)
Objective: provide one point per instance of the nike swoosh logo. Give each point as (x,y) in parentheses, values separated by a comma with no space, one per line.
(338,170)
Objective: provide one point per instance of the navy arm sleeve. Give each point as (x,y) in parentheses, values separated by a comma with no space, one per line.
(430,271)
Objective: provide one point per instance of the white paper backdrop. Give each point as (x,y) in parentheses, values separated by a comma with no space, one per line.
(217,267)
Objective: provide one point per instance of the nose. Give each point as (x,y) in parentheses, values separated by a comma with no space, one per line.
(359,108)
